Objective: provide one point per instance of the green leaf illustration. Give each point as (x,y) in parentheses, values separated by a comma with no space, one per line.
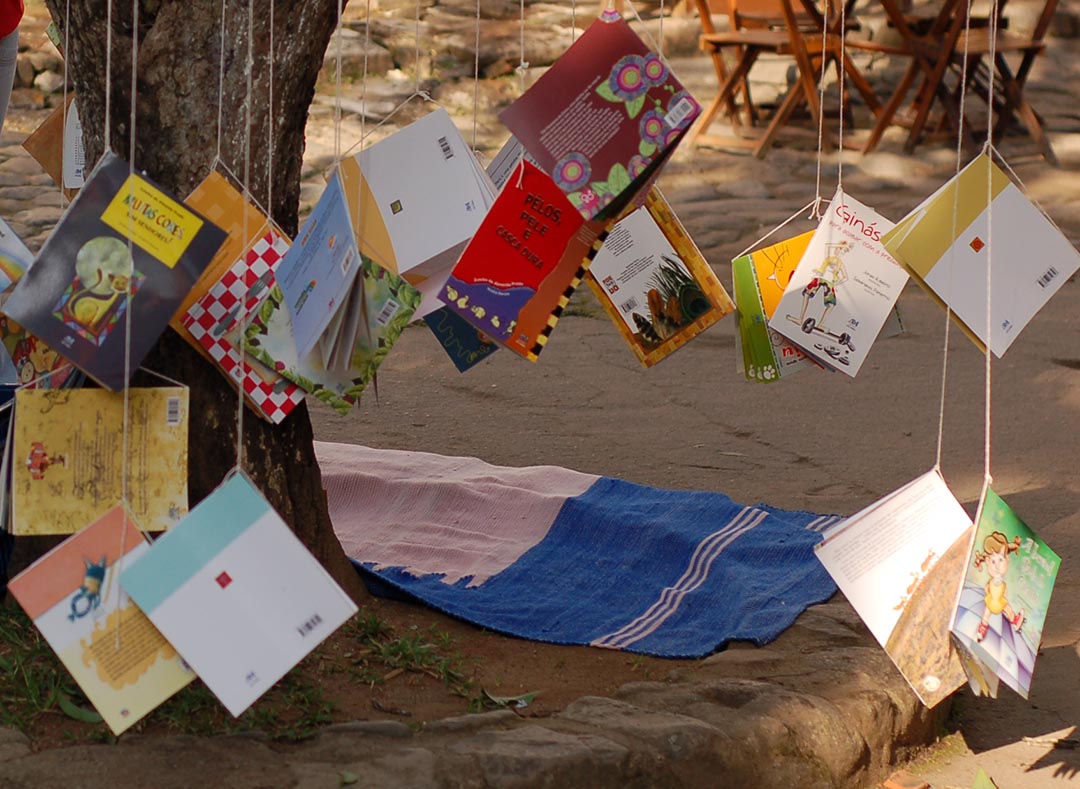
(647,148)
(634,107)
(618,179)
(604,91)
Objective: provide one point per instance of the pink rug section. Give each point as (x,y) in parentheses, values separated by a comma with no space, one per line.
(429,514)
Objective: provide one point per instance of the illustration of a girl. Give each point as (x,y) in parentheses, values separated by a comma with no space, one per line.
(995,555)
(827,276)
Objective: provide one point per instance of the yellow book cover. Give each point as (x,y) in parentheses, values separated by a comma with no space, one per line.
(73,595)
(68,462)
(654,283)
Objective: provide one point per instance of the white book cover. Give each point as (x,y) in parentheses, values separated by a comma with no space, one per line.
(900,563)
(237,594)
(948,244)
(416,198)
(843,289)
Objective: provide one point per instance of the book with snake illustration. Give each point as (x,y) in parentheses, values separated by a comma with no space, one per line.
(123,664)
(652,281)
(1002,606)
(124,253)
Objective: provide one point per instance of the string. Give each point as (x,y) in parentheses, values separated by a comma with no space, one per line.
(476,78)
(955,220)
(337,87)
(992,55)
(63,150)
(126,434)
(364,81)
(250,68)
(422,94)
(522,67)
(108,75)
(812,204)
(660,33)
(816,212)
(221,84)
(648,36)
(416,62)
(841,75)
(573,21)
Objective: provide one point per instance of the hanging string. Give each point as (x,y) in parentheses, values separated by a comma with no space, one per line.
(364,76)
(249,75)
(648,36)
(416,62)
(271,118)
(476,79)
(955,220)
(812,204)
(107,144)
(221,86)
(815,212)
(522,67)
(573,21)
(841,80)
(337,87)
(63,139)
(125,447)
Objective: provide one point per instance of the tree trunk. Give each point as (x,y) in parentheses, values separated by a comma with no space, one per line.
(180,57)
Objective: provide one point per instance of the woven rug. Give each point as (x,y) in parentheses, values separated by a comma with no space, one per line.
(554,555)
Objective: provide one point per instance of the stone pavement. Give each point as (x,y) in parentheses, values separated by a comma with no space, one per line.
(822,705)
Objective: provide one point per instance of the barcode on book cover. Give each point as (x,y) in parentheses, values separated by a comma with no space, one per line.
(679,112)
(1049,275)
(309,625)
(629,305)
(172,411)
(447,151)
(387,313)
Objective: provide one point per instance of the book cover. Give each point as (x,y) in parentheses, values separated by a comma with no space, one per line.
(222,203)
(947,244)
(899,563)
(46,145)
(215,321)
(766,355)
(237,594)
(604,118)
(15,258)
(34,364)
(318,270)
(844,288)
(654,283)
(77,293)
(1007,584)
(465,344)
(421,176)
(69,457)
(386,307)
(74,597)
(518,272)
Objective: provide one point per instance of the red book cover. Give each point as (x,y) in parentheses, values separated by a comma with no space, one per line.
(517,273)
(604,118)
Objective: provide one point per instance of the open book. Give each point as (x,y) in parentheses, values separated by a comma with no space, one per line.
(899,563)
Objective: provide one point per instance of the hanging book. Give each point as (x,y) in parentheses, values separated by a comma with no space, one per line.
(215,321)
(46,145)
(122,240)
(1002,605)
(33,363)
(237,594)
(947,244)
(415,199)
(518,272)
(604,118)
(69,457)
(123,664)
(899,563)
(653,282)
(224,205)
(465,344)
(844,288)
(759,279)
(381,305)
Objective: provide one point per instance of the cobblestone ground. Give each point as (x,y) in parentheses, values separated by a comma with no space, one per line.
(821,706)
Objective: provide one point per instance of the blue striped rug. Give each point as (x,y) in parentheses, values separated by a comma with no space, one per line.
(622,566)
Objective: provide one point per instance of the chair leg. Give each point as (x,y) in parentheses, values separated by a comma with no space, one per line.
(783,112)
(889,110)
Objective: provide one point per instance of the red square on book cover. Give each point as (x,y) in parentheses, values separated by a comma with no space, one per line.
(977,244)
(223,580)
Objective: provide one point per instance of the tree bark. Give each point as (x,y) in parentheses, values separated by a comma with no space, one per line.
(177,139)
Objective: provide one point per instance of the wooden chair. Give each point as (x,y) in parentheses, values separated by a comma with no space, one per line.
(1007,101)
(774,27)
